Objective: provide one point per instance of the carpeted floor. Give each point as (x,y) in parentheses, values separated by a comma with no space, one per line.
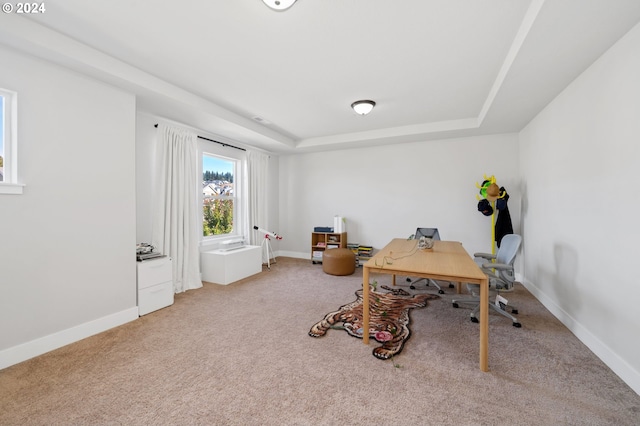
(240,355)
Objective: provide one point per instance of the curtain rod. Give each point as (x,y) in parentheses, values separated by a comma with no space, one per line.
(211,140)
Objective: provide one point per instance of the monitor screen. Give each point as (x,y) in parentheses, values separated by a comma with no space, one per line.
(428,232)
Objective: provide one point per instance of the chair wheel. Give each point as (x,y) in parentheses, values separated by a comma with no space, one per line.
(474,319)
(412,287)
(451,285)
(408,280)
(514,311)
(455,305)
(440,292)
(517,325)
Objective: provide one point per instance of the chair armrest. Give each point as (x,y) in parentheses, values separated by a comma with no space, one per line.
(501,266)
(485,255)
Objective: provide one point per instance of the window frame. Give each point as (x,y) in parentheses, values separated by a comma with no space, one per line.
(9,117)
(239,206)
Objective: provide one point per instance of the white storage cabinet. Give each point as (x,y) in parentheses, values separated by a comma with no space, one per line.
(155,284)
(225,267)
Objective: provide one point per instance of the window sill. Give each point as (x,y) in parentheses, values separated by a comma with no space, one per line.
(11,188)
(214,242)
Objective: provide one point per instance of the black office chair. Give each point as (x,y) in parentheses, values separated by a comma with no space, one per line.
(434,235)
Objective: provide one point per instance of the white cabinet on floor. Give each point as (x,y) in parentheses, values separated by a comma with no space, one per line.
(155,284)
(225,267)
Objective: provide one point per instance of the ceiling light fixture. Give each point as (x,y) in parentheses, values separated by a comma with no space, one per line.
(363,107)
(279,4)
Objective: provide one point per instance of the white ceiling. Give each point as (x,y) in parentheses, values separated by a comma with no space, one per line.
(435,68)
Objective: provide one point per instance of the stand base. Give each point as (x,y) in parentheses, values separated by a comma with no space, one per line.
(267,253)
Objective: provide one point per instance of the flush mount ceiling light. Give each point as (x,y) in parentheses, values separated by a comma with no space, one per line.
(363,107)
(279,4)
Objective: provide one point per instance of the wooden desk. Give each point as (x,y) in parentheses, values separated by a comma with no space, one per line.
(446,261)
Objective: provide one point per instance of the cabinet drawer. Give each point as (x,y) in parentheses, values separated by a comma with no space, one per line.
(154,271)
(155,297)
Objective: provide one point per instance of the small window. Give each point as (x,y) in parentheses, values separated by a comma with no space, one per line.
(1,138)
(219,192)
(8,144)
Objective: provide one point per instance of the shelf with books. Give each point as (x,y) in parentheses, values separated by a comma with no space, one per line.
(321,241)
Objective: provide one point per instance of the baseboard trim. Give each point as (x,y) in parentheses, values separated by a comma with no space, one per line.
(28,350)
(294,254)
(617,364)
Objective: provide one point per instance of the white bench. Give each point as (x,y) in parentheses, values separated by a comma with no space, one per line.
(228,266)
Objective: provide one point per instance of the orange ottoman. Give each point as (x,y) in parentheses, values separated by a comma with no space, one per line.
(338,261)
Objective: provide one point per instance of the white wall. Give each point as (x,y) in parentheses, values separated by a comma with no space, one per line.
(580,159)
(67,268)
(387,192)
(145,163)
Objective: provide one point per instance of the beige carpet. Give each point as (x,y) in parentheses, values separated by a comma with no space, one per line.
(241,355)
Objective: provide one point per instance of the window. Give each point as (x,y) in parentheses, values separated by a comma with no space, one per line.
(219,196)
(8,144)
(1,138)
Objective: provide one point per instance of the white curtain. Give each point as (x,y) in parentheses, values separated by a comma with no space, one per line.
(256,187)
(175,224)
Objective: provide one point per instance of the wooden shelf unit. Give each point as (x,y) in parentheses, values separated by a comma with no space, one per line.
(320,241)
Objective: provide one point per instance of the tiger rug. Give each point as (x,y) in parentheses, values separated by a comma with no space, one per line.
(389,313)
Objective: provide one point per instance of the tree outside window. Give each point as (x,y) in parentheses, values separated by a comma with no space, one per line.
(218,195)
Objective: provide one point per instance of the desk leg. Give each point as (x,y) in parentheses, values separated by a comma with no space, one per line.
(484,325)
(365,305)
